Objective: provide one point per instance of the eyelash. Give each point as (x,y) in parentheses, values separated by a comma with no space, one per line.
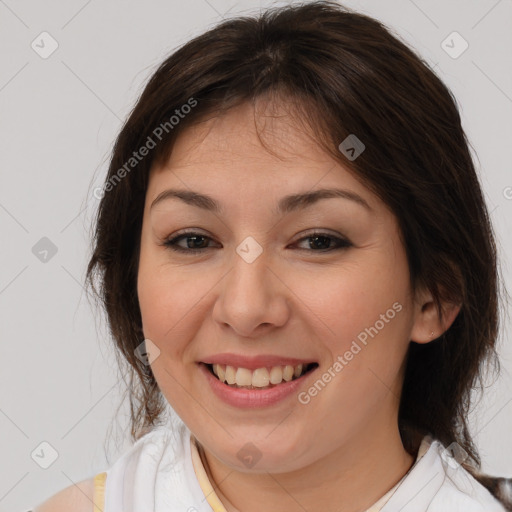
(171,243)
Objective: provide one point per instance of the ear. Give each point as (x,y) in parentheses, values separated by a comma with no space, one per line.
(427,326)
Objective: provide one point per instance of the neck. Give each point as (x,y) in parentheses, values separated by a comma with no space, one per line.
(350,479)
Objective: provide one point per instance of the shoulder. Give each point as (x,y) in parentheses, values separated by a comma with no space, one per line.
(157,464)
(77,498)
(438,483)
(151,449)
(461,489)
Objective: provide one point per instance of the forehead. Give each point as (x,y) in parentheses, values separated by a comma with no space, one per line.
(265,132)
(262,148)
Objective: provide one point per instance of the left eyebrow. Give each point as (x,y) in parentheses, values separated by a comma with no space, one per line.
(286,204)
(299,201)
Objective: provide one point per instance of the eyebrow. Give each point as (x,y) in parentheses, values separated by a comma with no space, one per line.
(286,204)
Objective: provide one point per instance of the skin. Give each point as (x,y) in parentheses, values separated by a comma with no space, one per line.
(342,451)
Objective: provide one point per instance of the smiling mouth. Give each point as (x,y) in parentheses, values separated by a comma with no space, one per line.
(261,378)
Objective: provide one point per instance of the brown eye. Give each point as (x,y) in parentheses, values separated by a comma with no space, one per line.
(322,242)
(194,242)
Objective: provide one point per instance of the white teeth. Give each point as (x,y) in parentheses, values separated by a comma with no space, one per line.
(259,378)
(276,375)
(220,371)
(288,373)
(230,375)
(243,377)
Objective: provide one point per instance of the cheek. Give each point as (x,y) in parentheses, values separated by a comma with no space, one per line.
(353,299)
(366,314)
(162,305)
(172,302)
(162,302)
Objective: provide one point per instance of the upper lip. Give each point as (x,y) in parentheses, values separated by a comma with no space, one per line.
(254,362)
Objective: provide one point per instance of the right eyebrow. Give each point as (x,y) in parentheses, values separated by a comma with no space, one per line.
(192,198)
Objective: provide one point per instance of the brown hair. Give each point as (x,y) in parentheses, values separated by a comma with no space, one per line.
(344,73)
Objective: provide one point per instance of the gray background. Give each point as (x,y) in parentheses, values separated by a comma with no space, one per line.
(59,117)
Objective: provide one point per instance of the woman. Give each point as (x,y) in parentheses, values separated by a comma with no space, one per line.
(294,253)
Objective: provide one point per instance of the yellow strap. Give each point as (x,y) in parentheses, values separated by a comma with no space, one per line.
(99,492)
(204,482)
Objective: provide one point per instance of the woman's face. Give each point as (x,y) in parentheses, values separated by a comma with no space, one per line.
(264,294)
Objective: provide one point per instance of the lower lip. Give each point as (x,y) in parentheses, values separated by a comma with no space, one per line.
(251,398)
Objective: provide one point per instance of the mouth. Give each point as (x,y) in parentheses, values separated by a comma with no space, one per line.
(259,378)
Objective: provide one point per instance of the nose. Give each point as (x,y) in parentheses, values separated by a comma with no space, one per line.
(252,298)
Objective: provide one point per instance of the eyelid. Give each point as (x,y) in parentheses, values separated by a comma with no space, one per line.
(343,241)
(171,242)
(320,232)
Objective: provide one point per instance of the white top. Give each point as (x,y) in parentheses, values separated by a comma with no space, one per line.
(157,475)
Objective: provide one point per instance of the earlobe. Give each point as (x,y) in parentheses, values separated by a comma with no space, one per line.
(428,325)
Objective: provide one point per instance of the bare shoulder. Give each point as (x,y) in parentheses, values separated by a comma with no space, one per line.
(75,498)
